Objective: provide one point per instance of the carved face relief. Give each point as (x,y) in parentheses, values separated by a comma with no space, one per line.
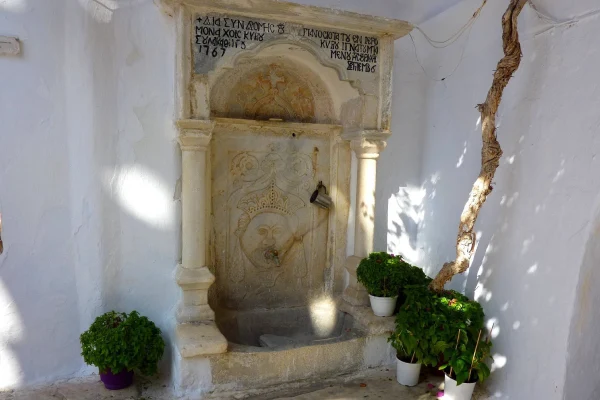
(268,231)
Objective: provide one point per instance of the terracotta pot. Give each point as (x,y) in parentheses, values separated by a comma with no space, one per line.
(117,381)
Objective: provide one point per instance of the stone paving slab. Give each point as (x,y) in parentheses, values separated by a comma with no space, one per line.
(378,387)
(381,386)
(376,384)
(88,389)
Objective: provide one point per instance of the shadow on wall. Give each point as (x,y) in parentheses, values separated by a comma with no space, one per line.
(399,165)
(405,211)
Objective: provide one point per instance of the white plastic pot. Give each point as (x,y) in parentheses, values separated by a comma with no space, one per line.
(407,374)
(454,392)
(383,306)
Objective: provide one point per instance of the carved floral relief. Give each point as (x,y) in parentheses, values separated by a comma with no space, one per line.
(272,89)
(272,255)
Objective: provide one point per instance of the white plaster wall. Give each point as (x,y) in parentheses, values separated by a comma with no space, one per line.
(88,171)
(38,282)
(534,228)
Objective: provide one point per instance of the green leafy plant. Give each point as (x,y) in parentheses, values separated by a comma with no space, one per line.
(119,341)
(428,323)
(415,333)
(468,360)
(384,275)
(409,346)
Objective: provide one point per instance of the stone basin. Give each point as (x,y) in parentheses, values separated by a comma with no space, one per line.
(270,347)
(274,329)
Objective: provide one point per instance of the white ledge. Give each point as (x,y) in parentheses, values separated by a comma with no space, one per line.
(302,14)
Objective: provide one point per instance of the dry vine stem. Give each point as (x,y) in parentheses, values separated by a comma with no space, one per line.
(491,151)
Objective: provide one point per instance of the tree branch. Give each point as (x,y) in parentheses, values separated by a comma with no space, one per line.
(491,150)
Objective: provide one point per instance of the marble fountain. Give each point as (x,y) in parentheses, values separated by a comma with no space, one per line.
(273,98)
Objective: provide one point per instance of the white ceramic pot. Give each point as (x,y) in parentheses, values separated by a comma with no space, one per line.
(383,306)
(454,392)
(407,374)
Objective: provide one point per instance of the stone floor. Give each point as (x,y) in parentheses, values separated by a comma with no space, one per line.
(371,385)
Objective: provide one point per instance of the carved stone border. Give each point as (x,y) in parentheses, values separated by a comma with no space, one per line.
(303,14)
(197,334)
(339,178)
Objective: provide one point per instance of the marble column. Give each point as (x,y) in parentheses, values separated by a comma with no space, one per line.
(194,315)
(366,146)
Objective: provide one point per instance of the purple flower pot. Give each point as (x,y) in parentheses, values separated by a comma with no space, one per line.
(118,381)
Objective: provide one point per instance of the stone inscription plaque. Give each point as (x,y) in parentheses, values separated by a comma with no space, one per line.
(216,36)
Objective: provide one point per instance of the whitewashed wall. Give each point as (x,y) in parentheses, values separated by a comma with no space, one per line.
(88,172)
(535,228)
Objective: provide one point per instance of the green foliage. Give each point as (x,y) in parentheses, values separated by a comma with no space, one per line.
(466,365)
(428,324)
(384,275)
(118,341)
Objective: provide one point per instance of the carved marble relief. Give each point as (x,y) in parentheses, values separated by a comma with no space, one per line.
(271,89)
(272,92)
(272,253)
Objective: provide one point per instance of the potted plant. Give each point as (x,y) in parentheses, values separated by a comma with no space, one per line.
(384,275)
(380,274)
(409,352)
(415,338)
(449,327)
(118,343)
(466,366)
